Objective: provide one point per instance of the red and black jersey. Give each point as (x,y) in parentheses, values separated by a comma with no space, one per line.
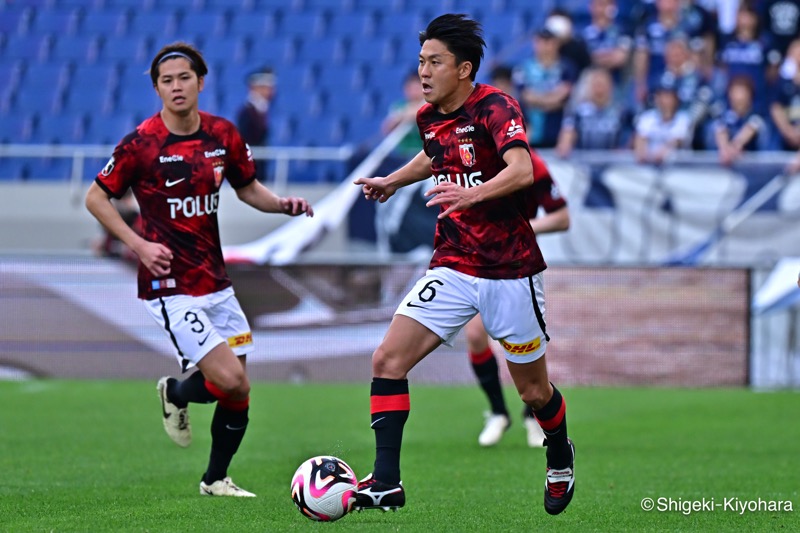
(544,192)
(176,181)
(492,239)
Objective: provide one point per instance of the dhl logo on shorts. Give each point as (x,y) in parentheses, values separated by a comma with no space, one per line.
(240,340)
(522,349)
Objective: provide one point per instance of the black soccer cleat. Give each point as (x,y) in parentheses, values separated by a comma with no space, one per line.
(374,494)
(560,486)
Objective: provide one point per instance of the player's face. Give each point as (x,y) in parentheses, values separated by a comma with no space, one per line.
(439,72)
(178,86)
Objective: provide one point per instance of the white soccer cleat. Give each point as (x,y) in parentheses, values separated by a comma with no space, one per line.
(176,420)
(536,436)
(224,487)
(493,431)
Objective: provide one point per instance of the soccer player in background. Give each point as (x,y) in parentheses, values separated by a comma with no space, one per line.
(544,192)
(174,163)
(486,259)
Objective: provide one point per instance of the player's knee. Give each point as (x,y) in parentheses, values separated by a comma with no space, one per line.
(387,364)
(536,395)
(234,385)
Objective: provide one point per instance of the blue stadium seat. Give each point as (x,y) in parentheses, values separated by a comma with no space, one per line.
(80,49)
(159,25)
(58,21)
(137,101)
(330,50)
(105,23)
(305,24)
(55,168)
(45,76)
(202,23)
(87,100)
(42,100)
(102,75)
(14,168)
(361,24)
(59,129)
(255,25)
(28,47)
(225,50)
(16,128)
(109,129)
(277,50)
(132,49)
(15,20)
(11,72)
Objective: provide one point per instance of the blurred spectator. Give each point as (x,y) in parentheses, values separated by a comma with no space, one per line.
(743,53)
(785,108)
(252,119)
(609,47)
(502,77)
(546,84)
(669,21)
(739,128)
(571,47)
(662,130)
(781,22)
(694,94)
(405,110)
(596,122)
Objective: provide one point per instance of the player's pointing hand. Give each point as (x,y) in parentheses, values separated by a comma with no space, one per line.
(376,188)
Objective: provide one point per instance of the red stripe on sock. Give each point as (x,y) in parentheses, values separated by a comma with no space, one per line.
(554,422)
(235,405)
(225,400)
(216,391)
(394,402)
(480,358)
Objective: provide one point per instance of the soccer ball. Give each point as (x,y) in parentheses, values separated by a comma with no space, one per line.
(324,488)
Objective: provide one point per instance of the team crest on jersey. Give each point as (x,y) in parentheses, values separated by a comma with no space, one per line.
(108,168)
(467,152)
(219,172)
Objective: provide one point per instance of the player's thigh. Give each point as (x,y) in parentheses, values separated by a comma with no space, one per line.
(406,343)
(230,322)
(513,313)
(477,338)
(443,301)
(189,329)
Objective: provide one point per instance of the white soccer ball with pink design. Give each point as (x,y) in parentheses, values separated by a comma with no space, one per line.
(324,488)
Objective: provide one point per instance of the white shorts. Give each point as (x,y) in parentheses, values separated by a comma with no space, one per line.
(196,324)
(512,310)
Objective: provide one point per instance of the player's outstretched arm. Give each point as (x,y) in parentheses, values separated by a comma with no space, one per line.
(381,189)
(256,195)
(517,175)
(154,256)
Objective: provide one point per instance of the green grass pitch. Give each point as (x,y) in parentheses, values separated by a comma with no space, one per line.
(92,456)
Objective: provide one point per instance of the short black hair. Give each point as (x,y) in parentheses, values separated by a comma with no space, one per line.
(461,35)
(179,49)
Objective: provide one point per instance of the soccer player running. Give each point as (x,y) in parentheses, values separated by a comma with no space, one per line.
(545,193)
(485,260)
(174,163)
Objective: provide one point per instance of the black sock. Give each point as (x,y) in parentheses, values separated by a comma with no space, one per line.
(190,390)
(553,419)
(389,405)
(227,431)
(488,374)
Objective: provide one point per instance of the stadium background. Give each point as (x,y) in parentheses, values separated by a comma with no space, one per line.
(73,73)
